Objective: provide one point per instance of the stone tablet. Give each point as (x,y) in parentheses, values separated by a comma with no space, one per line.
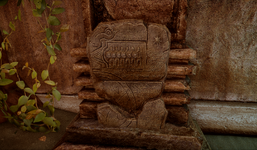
(128,61)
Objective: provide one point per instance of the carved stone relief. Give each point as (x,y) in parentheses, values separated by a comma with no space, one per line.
(128,67)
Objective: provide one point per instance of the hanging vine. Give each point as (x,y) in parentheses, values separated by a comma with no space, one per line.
(26,114)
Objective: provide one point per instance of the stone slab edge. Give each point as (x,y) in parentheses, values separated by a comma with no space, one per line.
(212,116)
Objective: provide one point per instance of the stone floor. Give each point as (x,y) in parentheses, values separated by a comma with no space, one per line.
(12,138)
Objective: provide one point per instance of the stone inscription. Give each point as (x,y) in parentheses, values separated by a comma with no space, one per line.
(128,63)
(125,55)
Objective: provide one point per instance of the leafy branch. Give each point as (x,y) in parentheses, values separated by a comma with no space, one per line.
(26,114)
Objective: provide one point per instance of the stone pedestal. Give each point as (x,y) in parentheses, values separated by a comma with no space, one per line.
(129,63)
(89,134)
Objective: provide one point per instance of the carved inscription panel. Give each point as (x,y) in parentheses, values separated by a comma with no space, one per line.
(129,62)
(129,50)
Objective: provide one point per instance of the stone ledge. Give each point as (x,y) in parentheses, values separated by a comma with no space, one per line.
(89,131)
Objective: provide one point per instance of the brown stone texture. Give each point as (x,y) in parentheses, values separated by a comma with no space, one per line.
(153,115)
(26,45)
(128,63)
(175,98)
(89,94)
(225,117)
(88,131)
(176,86)
(224,35)
(113,116)
(69,146)
(177,115)
(88,109)
(129,95)
(167,12)
(129,50)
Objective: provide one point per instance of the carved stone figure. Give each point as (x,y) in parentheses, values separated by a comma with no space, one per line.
(129,63)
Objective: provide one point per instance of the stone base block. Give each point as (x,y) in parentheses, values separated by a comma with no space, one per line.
(90,132)
(70,146)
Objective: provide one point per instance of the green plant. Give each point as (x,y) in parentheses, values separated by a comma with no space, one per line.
(26,114)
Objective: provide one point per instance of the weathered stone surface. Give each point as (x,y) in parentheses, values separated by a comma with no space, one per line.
(176,86)
(225,117)
(69,146)
(175,99)
(89,95)
(26,45)
(129,95)
(88,109)
(86,131)
(128,50)
(224,35)
(128,62)
(112,116)
(68,102)
(153,115)
(177,115)
(167,12)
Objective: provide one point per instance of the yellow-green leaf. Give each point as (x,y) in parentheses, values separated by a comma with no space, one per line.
(4,82)
(29,90)
(55,3)
(8,66)
(52,20)
(0,55)
(56,94)
(2,95)
(46,104)
(49,121)
(49,82)
(58,10)
(38,85)
(22,100)
(34,74)
(39,117)
(20,84)
(44,74)
(12,71)
(43,7)
(27,122)
(35,87)
(38,3)
(2,75)
(35,112)
(51,108)
(50,50)
(36,14)
(42,129)
(49,33)
(65,28)
(27,64)
(12,26)
(5,32)
(30,108)
(52,59)
(14,64)
(3,45)
(19,14)
(14,108)
(23,109)
(58,47)
(31,102)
